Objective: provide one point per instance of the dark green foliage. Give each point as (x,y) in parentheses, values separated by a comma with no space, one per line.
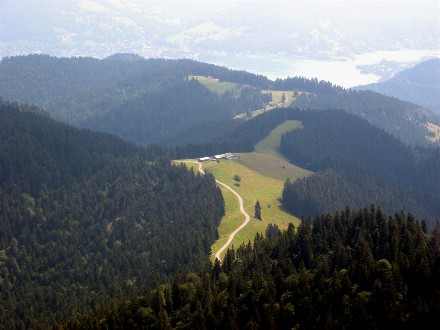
(352,270)
(237,178)
(404,120)
(302,84)
(175,107)
(86,218)
(140,100)
(358,164)
(243,137)
(151,100)
(257,212)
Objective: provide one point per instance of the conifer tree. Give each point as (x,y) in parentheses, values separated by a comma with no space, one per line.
(257,213)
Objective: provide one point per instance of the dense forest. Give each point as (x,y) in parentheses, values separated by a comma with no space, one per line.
(151,101)
(404,120)
(143,101)
(86,218)
(351,270)
(358,164)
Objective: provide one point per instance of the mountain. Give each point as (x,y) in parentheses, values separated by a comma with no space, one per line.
(86,218)
(356,165)
(141,100)
(350,269)
(419,84)
(404,120)
(154,101)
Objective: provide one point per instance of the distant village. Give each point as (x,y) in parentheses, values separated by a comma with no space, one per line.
(226,156)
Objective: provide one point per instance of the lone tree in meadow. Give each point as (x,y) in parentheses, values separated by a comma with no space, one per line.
(257,213)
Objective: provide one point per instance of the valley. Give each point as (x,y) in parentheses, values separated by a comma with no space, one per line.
(216,165)
(156,225)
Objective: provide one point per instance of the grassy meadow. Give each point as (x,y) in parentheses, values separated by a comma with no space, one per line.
(271,143)
(217,86)
(262,174)
(277,96)
(253,186)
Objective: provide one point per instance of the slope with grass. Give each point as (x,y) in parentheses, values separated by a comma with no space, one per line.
(253,186)
(267,159)
(217,86)
(262,174)
(277,96)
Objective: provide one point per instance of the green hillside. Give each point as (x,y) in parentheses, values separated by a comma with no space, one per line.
(268,161)
(262,175)
(357,165)
(253,186)
(138,98)
(87,218)
(131,97)
(354,269)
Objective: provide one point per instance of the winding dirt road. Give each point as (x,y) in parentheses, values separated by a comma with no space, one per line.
(236,231)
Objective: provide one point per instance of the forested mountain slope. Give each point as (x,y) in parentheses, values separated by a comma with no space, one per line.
(142,100)
(404,120)
(86,218)
(74,89)
(174,109)
(150,100)
(354,270)
(358,164)
(355,163)
(419,84)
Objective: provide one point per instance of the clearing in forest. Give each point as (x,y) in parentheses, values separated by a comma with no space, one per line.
(434,132)
(259,175)
(219,87)
(252,187)
(277,97)
(267,159)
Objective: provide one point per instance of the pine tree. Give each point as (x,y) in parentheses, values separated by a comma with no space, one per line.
(257,213)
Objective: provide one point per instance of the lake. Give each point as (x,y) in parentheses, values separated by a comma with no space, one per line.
(344,72)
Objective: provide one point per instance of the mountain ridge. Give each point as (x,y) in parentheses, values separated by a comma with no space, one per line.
(76,90)
(419,84)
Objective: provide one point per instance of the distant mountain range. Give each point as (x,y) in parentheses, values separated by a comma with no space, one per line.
(154,101)
(419,84)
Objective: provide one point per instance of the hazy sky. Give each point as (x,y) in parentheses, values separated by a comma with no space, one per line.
(221,31)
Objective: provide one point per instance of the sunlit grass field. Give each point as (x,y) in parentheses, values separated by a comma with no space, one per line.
(277,96)
(253,186)
(262,175)
(217,86)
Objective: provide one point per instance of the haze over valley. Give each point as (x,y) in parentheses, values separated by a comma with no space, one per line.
(348,43)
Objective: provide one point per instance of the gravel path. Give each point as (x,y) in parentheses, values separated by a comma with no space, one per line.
(236,231)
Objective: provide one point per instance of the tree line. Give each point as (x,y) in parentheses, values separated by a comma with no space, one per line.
(349,269)
(358,164)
